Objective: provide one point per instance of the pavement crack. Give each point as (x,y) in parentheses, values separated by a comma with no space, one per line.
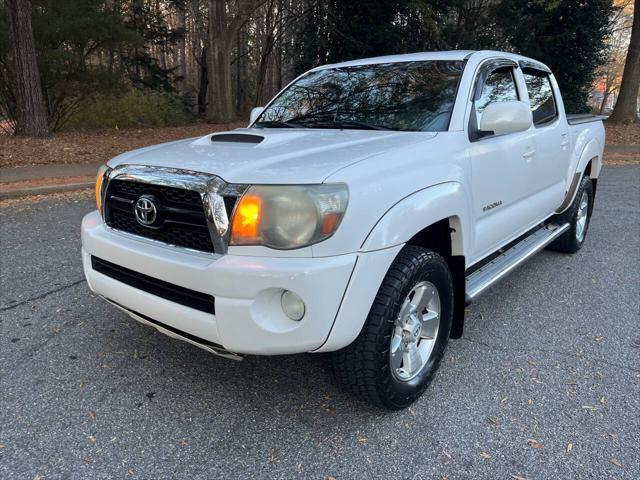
(554,352)
(38,297)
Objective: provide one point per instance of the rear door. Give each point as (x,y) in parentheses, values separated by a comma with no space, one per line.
(551,159)
(502,182)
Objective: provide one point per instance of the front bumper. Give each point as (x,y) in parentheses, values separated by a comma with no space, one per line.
(247,290)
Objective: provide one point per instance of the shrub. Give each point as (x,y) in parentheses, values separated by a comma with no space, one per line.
(136,108)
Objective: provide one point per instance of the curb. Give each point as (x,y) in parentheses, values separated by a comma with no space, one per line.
(44,190)
(622,148)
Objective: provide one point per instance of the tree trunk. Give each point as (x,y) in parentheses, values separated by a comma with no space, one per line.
(203,84)
(31,112)
(182,49)
(220,103)
(625,110)
(603,104)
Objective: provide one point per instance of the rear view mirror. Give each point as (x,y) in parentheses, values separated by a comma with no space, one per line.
(506,117)
(255,113)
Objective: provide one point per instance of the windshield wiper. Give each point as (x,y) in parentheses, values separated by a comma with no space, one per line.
(279,124)
(345,124)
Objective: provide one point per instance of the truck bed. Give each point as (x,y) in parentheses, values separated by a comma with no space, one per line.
(576,118)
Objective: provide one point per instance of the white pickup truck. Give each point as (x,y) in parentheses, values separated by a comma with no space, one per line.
(359,213)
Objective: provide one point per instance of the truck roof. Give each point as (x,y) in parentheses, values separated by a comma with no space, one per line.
(442,55)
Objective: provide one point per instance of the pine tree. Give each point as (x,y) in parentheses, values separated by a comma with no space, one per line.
(31,112)
(567,35)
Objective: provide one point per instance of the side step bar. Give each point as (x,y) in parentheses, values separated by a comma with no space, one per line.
(498,268)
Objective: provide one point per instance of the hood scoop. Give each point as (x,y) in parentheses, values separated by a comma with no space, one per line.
(237,138)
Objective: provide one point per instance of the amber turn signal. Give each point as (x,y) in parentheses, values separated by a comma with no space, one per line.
(246,220)
(99,182)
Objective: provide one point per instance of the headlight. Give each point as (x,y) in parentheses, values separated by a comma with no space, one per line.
(102,171)
(286,217)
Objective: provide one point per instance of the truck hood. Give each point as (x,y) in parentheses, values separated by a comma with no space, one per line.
(267,156)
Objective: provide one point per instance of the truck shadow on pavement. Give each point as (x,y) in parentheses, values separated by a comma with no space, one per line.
(177,372)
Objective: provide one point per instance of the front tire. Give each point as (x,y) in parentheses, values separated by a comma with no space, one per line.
(404,337)
(578,215)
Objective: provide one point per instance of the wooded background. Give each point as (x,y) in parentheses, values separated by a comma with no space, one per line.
(67,64)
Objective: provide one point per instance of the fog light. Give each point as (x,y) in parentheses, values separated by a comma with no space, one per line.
(292,305)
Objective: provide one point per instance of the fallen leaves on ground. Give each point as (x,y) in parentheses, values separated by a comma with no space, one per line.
(569,447)
(534,443)
(616,462)
(485,455)
(621,158)
(95,146)
(622,134)
(183,442)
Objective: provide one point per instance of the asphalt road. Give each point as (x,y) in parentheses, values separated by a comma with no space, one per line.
(550,359)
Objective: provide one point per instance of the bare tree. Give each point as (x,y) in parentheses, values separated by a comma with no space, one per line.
(31,112)
(610,74)
(272,24)
(626,107)
(225,20)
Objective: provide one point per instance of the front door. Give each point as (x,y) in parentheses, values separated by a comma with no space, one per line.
(502,180)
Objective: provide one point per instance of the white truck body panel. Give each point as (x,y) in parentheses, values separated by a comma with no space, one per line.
(491,190)
(291,156)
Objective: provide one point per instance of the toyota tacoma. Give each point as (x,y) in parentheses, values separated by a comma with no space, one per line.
(359,213)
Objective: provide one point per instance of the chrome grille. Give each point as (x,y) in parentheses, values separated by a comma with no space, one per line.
(193,209)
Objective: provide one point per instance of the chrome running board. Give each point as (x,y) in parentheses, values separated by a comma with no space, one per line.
(480,280)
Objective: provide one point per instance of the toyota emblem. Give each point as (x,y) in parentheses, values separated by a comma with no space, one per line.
(146,210)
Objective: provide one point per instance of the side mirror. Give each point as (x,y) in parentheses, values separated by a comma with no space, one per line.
(255,113)
(506,117)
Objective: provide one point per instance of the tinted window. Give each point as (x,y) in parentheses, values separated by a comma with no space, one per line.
(416,96)
(543,106)
(499,86)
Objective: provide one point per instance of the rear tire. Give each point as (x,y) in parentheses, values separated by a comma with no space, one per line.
(578,216)
(398,351)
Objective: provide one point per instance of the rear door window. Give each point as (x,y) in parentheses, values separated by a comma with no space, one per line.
(543,105)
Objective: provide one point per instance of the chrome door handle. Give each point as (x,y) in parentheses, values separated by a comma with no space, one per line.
(528,153)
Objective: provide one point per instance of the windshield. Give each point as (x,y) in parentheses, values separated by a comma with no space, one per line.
(409,96)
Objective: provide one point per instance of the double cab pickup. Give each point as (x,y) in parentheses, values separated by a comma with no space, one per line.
(359,213)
